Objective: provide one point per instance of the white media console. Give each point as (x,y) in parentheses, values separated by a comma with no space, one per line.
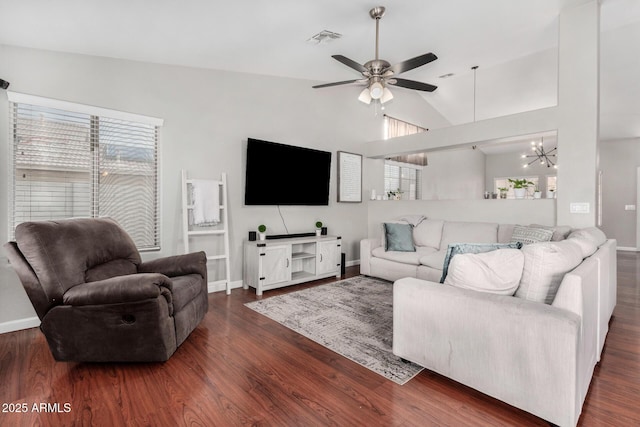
(271,264)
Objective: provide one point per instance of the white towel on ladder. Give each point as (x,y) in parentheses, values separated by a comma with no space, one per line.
(206,202)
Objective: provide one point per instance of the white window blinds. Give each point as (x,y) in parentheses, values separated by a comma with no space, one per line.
(69,163)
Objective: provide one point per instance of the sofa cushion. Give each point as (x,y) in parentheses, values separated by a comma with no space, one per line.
(434,259)
(497,272)
(399,237)
(587,246)
(470,232)
(428,233)
(528,235)
(545,265)
(412,258)
(594,234)
(504,232)
(560,232)
(472,248)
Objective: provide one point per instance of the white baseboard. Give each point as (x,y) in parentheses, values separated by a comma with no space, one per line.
(220,285)
(352,263)
(17,325)
(627,249)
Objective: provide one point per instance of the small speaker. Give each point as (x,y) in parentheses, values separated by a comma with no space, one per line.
(323,231)
(253,236)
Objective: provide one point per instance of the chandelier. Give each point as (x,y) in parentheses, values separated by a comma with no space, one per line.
(540,155)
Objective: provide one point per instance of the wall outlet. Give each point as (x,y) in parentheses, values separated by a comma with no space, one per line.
(629,207)
(579,208)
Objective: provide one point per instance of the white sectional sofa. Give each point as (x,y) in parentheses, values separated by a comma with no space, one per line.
(533,355)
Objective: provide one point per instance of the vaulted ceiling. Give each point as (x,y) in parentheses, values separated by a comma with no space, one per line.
(512,41)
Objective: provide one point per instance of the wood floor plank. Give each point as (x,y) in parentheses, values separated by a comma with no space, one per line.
(241,368)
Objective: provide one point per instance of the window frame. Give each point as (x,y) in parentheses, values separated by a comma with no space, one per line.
(96,113)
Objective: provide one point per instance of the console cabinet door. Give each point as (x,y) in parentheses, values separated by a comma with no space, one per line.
(276,264)
(327,257)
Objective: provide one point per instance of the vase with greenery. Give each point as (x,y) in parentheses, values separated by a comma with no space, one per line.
(520,187)
(318,228)
(262,231)
(503,192)
(394,194)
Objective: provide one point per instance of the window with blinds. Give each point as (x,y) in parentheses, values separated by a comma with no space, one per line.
(70,163)
(403,173)
(404,178)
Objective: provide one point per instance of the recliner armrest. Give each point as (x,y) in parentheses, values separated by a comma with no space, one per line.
(177,265)
(120,289)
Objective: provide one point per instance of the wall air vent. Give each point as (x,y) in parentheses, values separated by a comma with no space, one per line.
(324,36)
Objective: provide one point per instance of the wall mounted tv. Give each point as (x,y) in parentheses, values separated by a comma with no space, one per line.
(279,174)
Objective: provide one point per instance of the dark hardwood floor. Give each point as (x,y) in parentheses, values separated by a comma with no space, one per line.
(240,368)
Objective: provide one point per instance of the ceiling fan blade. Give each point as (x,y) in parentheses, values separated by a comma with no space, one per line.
(412,84)
(346,82)
(350,63)
(412,63)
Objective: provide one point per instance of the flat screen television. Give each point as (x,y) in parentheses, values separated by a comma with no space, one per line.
(279,174)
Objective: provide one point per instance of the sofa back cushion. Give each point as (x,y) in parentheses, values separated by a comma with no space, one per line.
(468,232)
(545,265)
(497,272)
(61,252)
(428,233)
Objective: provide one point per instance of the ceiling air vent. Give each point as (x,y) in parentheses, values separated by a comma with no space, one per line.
(324,36)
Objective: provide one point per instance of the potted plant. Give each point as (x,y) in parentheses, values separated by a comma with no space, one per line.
(551,194)
(394,194)
(318,228)
(503,192)
(537,193)
(262,231)
(520,187)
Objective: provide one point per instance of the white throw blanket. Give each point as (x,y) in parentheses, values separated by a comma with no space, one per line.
(206,202)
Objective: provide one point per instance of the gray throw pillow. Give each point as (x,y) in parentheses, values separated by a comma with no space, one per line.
(472,248)
(399,237)
(528,235)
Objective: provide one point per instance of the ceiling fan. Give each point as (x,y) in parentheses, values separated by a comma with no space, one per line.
(378,74)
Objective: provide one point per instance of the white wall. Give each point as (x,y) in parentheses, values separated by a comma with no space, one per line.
(208,116)
(454,174)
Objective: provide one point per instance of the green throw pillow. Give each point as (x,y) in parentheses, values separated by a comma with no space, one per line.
(399,237)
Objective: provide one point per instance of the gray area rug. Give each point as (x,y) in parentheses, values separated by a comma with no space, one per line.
(353,317)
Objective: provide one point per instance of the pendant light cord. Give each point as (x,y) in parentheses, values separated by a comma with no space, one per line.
(474,68)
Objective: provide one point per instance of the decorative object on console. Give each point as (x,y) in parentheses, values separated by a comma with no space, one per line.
(537,194)
(262,230)
(395,194)
(541,155)
(377,74)
(253,236)
(323,231)
(318,228)
(4,84)
(520,186)
(503,192)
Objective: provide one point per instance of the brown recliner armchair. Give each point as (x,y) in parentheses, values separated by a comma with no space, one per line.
(97,301)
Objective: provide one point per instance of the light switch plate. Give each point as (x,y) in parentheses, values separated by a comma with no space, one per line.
(579,208)
(629,207)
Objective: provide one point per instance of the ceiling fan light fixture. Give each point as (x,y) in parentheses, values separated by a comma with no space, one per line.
(365,96)
(376,90)
(386,96)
